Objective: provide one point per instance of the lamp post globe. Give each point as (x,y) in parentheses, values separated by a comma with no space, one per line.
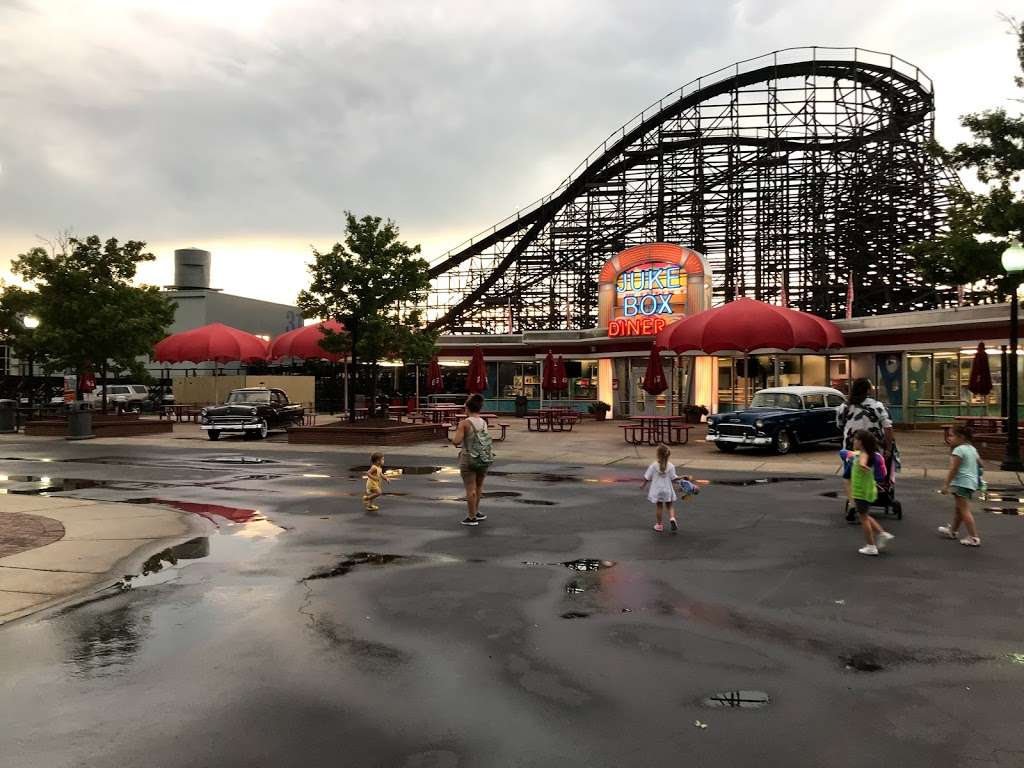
(1013,262)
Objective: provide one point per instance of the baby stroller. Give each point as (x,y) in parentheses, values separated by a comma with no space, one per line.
(886,500)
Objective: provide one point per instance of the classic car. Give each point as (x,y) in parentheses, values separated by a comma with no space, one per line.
(780,417)
(252,412)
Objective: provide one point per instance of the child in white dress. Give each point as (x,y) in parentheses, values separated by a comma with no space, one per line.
(661,476)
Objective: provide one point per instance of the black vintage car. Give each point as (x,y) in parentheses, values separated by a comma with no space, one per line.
(780,418)
(251,412)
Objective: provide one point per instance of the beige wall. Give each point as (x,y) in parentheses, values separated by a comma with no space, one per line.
(206,390)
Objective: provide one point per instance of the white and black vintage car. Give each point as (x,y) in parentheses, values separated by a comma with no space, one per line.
(780,418)
(250,412)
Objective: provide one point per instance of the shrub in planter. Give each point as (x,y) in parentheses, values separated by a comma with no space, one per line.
(694,413)
(599,410)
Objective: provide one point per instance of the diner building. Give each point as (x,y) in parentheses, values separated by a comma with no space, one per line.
(919,361)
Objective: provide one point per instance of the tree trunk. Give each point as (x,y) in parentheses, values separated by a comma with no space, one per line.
(372,413)
(353,378)
(103,378)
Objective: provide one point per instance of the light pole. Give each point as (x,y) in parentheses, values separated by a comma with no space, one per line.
(1013,263)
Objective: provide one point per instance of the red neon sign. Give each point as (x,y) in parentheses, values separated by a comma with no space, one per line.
(636,326)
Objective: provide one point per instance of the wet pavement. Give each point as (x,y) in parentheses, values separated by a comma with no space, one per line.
(300,630)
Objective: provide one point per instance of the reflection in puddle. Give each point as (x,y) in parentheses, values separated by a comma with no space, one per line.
(574,615)
(1012,511)
(107,642)
(210,511)
(396,471)
(765,481)
(31,485)
(737,700)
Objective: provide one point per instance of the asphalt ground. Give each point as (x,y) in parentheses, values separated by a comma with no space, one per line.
(302,631)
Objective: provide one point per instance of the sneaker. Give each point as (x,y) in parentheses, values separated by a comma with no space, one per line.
(971,541)
(868,549)
(946,532)
(882,540)
(480,516)
(470,521)
(659,527)
(672,523)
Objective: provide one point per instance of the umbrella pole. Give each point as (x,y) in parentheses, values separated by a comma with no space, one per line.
(746,380)
(346,384)
(417,386)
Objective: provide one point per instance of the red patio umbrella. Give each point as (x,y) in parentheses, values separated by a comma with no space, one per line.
(654,377)
(980,382)
(304,343)
(435,382)
(561,378)
(549,375)
(476,377)
(744,325)
(215,342)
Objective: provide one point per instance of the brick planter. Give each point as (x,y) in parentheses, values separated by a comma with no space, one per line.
(111,425)
(341,433)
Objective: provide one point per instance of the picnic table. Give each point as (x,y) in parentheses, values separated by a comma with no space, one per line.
(552,420)
(980,425)
(651,430)
(180,412)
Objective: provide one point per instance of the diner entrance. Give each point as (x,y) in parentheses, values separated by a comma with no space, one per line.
(632,400)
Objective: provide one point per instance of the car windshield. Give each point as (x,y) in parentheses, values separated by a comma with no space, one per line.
(247,398)
(776,400)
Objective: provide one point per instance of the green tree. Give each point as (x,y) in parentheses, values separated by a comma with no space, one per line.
(90,315)
(367,283)
(981,223)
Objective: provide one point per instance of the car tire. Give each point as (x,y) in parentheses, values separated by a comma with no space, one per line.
(783,442)
(213,434)
(263,431)
(726,447)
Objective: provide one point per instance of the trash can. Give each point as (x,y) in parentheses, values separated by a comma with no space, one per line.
(8,416)
(522,406)
(79,421)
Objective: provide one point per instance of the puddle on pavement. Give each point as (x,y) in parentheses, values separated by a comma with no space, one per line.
(737,700)
(238,460)
(535,502)
(358,559)
(1010,511)
(42,485)
(575,615)
(862,662)
(588,564)
(765,481)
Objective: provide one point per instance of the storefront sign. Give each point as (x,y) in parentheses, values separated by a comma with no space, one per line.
(636,326)
(649,290)
(653,280)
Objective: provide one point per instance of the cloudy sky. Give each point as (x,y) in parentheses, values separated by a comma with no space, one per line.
(247,126)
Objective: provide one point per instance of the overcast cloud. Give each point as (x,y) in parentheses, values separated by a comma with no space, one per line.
(249,125)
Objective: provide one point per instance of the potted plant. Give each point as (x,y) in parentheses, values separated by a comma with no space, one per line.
(694,413)
(599,410)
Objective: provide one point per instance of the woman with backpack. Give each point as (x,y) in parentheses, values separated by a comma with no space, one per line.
(475,457)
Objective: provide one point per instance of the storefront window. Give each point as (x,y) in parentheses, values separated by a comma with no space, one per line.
(582,379)
(947,378)
(920,395)
(791,370)
(839,373)
(888,381)
(726,385)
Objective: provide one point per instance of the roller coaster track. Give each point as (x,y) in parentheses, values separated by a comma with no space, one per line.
(717,157)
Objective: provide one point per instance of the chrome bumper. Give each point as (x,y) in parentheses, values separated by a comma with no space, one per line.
(229,427)
(739,439)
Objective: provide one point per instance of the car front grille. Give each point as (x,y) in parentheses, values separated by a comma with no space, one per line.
(228,420)
(735,430)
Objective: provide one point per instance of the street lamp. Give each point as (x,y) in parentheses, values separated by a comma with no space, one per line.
(30,322)
(1013,263)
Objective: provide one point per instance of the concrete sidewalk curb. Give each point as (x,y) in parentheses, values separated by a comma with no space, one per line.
(102,542)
